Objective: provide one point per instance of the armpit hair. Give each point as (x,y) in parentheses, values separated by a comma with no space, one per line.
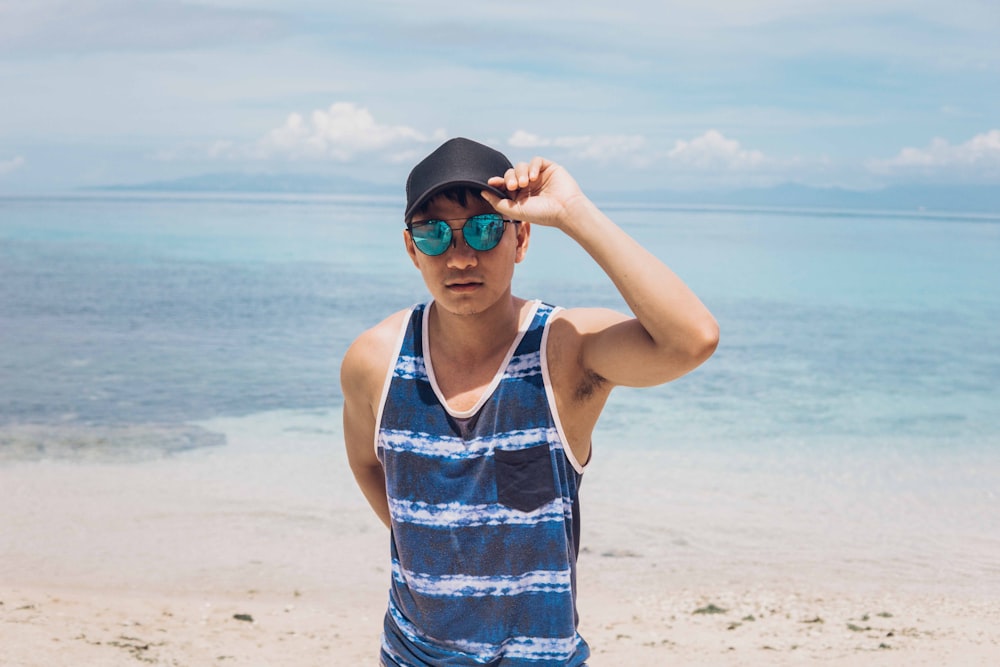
(589,384)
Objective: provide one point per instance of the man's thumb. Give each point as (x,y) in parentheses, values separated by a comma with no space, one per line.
(501,205)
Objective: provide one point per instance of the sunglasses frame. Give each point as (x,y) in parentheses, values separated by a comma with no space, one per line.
(451,232)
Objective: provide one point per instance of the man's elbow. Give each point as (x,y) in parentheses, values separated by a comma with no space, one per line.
(707,341)
(701,343)
(682,356)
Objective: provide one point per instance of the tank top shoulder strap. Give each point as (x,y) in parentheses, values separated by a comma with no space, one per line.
(412,343)
(535,334)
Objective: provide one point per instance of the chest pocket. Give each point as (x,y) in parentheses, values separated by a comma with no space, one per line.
(524,477)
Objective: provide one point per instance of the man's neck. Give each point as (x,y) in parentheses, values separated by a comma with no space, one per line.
(474,339)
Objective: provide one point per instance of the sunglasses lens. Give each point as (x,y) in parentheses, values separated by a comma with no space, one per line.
(432,237)
(483,232)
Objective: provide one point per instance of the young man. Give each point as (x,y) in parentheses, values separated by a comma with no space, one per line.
(468,419)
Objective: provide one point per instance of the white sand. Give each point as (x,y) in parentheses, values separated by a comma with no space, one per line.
(149,562)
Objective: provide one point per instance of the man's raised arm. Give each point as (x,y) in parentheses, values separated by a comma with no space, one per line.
(672,332)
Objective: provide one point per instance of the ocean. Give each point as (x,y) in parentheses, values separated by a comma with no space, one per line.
(857,382)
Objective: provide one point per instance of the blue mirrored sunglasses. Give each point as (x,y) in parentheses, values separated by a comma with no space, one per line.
(481,232)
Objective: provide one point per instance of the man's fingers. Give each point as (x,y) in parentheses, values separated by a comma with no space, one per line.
(523,171)
(536,166)
(519,176)
(523,175)
(512,179)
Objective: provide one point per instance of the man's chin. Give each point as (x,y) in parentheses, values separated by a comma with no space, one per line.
(463,304)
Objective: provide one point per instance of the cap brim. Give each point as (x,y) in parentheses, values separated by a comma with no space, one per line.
(441,187)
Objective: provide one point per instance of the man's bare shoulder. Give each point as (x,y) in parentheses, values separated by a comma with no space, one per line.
(367,360)
(583,321)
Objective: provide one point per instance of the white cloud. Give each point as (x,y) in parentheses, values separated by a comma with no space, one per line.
(708,160)
(713,151)
(982,149)
(589,147)
(340,133)
(8,166)
(712,159)
(977,157)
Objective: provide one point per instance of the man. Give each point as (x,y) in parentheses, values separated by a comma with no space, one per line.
(474,460)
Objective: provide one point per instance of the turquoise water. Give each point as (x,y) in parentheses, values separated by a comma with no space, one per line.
(851,415)
(158,311)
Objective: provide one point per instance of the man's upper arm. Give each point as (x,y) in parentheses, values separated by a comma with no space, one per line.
(359,416)
(357,385)
(362,376)
(620,350)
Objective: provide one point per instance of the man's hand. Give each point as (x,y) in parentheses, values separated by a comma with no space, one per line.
(541,192)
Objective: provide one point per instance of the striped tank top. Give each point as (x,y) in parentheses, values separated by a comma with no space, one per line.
(484,513)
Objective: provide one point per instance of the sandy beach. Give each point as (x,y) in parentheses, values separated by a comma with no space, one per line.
(59,625)
(261,552)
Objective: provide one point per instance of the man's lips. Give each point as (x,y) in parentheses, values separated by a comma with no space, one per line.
(462,285)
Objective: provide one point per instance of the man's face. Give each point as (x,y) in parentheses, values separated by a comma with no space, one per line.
(462,280)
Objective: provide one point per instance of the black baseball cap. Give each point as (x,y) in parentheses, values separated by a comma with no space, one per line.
(456,162)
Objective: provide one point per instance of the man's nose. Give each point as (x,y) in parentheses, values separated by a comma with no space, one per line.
(461,255)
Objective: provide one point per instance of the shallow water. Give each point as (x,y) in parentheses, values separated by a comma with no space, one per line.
(851,408)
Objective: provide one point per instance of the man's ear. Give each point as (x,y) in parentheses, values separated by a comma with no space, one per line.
(411,249)
(523,237)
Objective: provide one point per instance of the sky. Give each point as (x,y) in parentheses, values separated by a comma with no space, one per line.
(630,94)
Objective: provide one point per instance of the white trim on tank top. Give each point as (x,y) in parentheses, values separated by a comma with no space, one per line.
(398,347)
(551,396)
(494,383)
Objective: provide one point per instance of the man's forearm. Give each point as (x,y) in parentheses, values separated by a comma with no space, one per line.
(371,480)
(672,315)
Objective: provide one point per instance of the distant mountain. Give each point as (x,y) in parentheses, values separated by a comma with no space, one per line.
(261,183)
(925,198)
